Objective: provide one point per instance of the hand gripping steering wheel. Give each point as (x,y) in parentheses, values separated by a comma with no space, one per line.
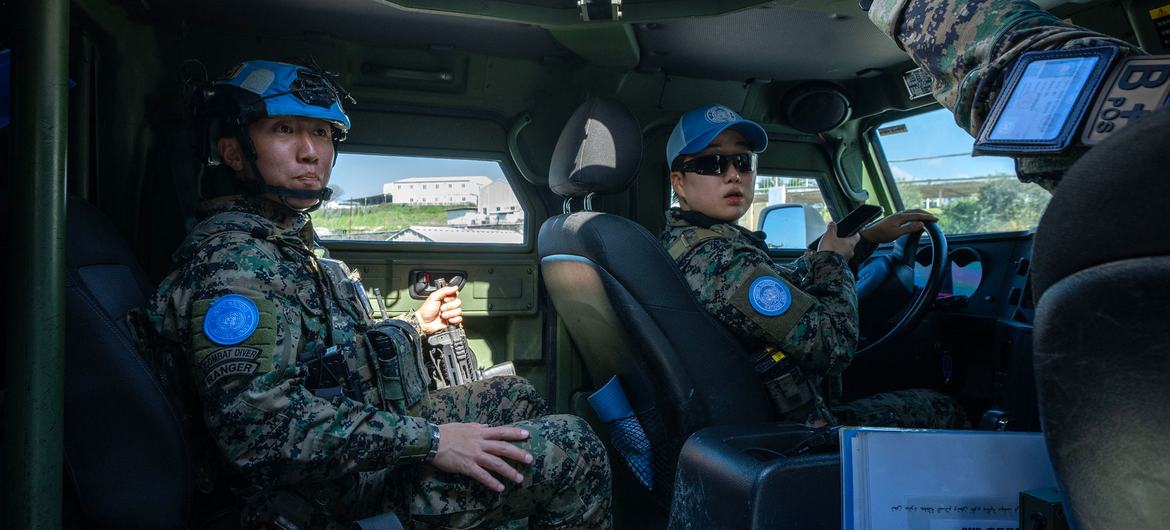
(886,281)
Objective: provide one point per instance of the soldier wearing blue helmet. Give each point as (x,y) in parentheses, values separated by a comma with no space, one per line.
(318,411)
(803,344)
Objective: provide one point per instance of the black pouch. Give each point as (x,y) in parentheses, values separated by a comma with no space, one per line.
(397,355)
(787,388)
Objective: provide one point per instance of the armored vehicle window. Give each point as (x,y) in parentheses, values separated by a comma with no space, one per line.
(420,199)
(930,158)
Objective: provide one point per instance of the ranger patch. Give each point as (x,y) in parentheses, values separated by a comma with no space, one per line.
(228,368)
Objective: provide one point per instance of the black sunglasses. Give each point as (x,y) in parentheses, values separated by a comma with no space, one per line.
(716,165)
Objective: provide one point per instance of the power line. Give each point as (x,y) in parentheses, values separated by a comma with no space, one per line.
(930,158)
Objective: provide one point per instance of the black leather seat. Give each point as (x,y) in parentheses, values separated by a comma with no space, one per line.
(626,306)
(1102,345)
(126,454)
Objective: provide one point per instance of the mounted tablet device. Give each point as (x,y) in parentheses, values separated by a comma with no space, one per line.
(1044,100)
(1048,95)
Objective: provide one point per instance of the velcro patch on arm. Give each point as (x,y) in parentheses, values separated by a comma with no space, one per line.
(232,335)
(771,302)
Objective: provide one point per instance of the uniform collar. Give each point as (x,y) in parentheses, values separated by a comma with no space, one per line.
(287,222)
(677,217)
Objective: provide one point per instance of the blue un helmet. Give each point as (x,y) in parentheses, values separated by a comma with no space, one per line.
(256,89)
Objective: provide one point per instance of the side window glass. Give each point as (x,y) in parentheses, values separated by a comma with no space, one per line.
(930,158)
(420,199)
(790,209)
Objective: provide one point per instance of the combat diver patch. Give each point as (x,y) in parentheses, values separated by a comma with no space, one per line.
(233,335)
(771,302)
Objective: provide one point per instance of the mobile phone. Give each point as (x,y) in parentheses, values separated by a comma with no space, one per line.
(857,219)
(853,222)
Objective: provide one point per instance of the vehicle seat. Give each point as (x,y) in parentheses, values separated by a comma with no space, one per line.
(126,454)
(625,304)
(1101,275)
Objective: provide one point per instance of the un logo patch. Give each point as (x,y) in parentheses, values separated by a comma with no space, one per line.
(770,296)
(230,319)
(720,114)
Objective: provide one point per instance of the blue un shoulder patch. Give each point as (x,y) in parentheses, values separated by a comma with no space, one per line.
(770,296)
(231,319)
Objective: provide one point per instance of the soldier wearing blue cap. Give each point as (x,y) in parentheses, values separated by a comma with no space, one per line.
(800,318)
(278,343)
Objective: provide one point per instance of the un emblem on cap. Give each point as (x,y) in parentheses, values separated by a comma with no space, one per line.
(230,319)
(720,114)
(769,296)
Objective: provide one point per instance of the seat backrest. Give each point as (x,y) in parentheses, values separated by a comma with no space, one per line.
(125,450)
(626,305)
(1101,275)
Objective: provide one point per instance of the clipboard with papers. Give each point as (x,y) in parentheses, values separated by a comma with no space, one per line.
(938,480)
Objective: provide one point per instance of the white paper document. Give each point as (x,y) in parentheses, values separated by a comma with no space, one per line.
(938,480)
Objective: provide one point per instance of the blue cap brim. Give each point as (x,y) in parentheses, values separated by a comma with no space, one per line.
(752,132)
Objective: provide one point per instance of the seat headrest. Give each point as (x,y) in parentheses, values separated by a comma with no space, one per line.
(1109,206)
(598,151)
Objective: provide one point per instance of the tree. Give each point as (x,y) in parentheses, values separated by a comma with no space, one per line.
(1001,205)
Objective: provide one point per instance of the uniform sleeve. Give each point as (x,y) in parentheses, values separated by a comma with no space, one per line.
(817,326)
(263,419)
(969,46)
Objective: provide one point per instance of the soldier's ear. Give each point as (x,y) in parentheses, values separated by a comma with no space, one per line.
(676,184)
(231,153)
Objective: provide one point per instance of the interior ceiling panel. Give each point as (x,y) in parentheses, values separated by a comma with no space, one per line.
(767,43)
(368,22)
(773,41)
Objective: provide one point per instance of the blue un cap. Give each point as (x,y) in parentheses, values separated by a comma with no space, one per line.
(697,128)
(282,89)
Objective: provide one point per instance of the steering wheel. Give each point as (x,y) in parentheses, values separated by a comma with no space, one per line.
(886,282)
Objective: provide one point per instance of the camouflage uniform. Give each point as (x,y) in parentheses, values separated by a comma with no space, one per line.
(818,330)
(320,463)
(968,47)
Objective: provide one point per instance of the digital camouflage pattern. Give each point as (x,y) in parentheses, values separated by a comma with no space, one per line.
(821,338)
(321,463)
(913,408)
(969,46)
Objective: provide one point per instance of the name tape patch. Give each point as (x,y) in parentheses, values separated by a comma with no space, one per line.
(231,319)
(770,296)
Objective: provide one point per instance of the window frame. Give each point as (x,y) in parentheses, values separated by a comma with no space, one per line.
(533,209)
(820,177)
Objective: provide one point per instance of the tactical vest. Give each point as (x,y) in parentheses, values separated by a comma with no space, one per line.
(382,363)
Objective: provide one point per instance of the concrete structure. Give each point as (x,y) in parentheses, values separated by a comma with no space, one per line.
(445,234)
(498,205)
(436,190)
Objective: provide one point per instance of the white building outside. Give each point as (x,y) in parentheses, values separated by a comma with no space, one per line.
(436,190)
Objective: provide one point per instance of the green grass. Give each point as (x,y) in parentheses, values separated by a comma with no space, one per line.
(381,218)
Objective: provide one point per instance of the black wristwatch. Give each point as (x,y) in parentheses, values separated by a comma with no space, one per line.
(433,448)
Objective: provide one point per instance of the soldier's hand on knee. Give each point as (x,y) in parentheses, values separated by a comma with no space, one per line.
(841,245)
(441,308)
(897,225)
(477,451)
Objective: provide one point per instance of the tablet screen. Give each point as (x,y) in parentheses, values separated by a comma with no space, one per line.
(1039,106)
